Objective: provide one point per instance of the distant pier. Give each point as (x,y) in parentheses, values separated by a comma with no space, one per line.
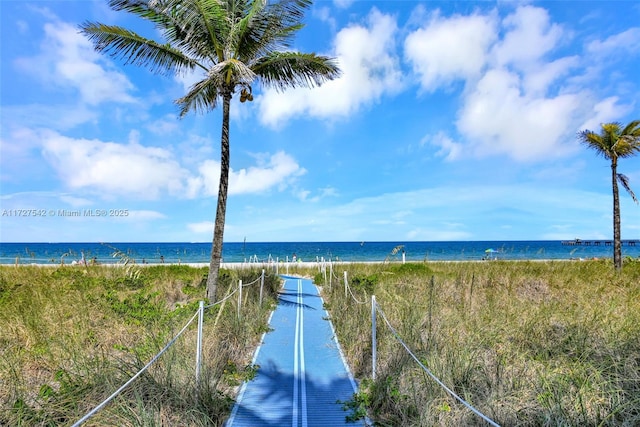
(580,242)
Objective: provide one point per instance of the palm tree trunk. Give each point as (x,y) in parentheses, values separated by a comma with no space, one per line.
(617,241)
(218,228)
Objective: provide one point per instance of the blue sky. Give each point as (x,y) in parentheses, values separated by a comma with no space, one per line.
(452,120)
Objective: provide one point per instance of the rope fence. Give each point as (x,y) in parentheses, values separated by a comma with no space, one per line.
(200,315)
(125,385)
(375,308)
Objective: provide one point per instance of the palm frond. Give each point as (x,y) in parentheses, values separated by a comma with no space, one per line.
(624,180)
(233,41)
(291,12)
(209,26)
(613,141)
(134,49)
(628,144)
(283,70)
(632,129)
(201,98)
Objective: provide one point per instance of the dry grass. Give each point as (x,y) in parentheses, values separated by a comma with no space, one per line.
(527,343)
(70,336)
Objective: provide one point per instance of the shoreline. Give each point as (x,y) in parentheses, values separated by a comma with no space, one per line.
(301,264)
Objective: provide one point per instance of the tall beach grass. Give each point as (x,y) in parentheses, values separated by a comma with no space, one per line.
(71,336)
(525,343)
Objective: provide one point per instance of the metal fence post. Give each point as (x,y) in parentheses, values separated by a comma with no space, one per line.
(324,270)
(199,344)
(345,283)
(261,287)
(239,297)
(330,273)
(373,337)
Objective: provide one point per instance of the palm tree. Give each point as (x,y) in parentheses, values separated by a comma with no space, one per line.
(232,43)
(613,143)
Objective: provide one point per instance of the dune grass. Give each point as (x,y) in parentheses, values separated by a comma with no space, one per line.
(525,343)
(71,336)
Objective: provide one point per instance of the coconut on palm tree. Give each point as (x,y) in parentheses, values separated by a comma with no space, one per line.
(232,44)
(615,142)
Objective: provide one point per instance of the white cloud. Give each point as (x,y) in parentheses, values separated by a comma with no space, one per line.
(538,79)
(275,171)
(512,103)
(115,170)
(605,111)
(164,125)
(448,148)
(500,119)
(303,195)
(626,41)
(529,37)
(370,68)
(447,49)
(112,168)
(520,98)
(201,227)
(67,60)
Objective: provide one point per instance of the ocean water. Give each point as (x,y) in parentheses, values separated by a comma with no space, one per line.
(55,253)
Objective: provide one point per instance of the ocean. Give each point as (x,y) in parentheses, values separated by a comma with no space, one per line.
(104,253)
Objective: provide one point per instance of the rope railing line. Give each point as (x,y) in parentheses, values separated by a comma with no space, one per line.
(132,379)
(222,300)
(354,297)
(199,315)
(244,285)
(436,379)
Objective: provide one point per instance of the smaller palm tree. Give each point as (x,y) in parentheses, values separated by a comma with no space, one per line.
(613,143)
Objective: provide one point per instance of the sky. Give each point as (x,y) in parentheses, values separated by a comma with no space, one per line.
(451,121)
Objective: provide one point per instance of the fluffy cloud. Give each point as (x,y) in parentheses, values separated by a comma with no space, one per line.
(133,170)
(529,36)
(613,45)
(447,49)
(130,169)
(499,118)
(67,60)
(370,68)
(276,171)
(512,103)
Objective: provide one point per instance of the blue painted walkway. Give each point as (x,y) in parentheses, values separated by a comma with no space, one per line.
(301,375)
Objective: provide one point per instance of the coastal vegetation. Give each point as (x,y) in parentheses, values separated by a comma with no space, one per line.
(527,343)
(72,335)
(615,142)
(228,45)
